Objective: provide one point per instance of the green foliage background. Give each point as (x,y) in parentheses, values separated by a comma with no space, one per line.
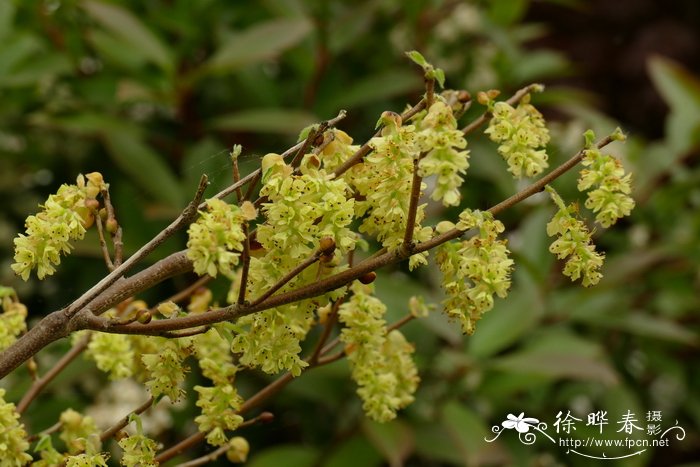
(154,93)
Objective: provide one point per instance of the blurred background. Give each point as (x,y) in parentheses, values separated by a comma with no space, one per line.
(154,93)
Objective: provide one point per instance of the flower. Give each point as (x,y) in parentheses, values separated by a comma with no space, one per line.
(521,131)
(573,242)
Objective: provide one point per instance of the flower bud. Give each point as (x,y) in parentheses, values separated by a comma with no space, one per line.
(368,278)
(238,450)
(143,316)
(327,246)
(111,225)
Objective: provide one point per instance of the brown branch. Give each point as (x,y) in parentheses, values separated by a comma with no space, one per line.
(342,278)
(186,292)
(183,445)
(60,365)
(187,215)
(103,242)
(416,183)
(117,235)
(288,277)
(331,319)
(245,258)
(124,421)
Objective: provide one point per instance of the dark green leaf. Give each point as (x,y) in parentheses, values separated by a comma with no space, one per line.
(131,30)
(384,85)
(258,43)
(354,452)
(286,455)
(681,90)
(285,121)
(145,167)
(393,439)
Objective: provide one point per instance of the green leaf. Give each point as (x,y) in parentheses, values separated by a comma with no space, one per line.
(145,167)
(439,76)
(258,43)
(505,324)
(382,86)
(131,30)
(395,439)
(560,355)
(681,90)
(113,50)
(290,455)
(31,72)
(466,430)
(353,452)
(284,121)
(418,59)
(649,326)
(7,16)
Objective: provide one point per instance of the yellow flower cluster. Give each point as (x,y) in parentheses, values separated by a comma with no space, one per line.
(474,270)
(64,217)
(13,442)
(608,185)
(381,362)
(520,132)
(216,239)
(219,403)
(574,242)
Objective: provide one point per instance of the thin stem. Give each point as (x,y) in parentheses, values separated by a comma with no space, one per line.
(117,235)
(186,333)
(187,443)
(412,207)
(52,429)
(429,92)
(332,282)
(327,328)
(60,365)
(515,98)
(185,293)
(237,178)
(245,257)
(124,421)
(103,242)
(264,417)
(288,277)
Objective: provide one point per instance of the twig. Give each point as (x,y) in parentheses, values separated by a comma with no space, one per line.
(264,417)
(186,333)
(183,445)
(124,421)
(416,183)
(187,215)
(245,267)
(327,328)
(288,277)
(117,235)
(41,383)
(329,283)
(186,292)
(52,429)
(103,242)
